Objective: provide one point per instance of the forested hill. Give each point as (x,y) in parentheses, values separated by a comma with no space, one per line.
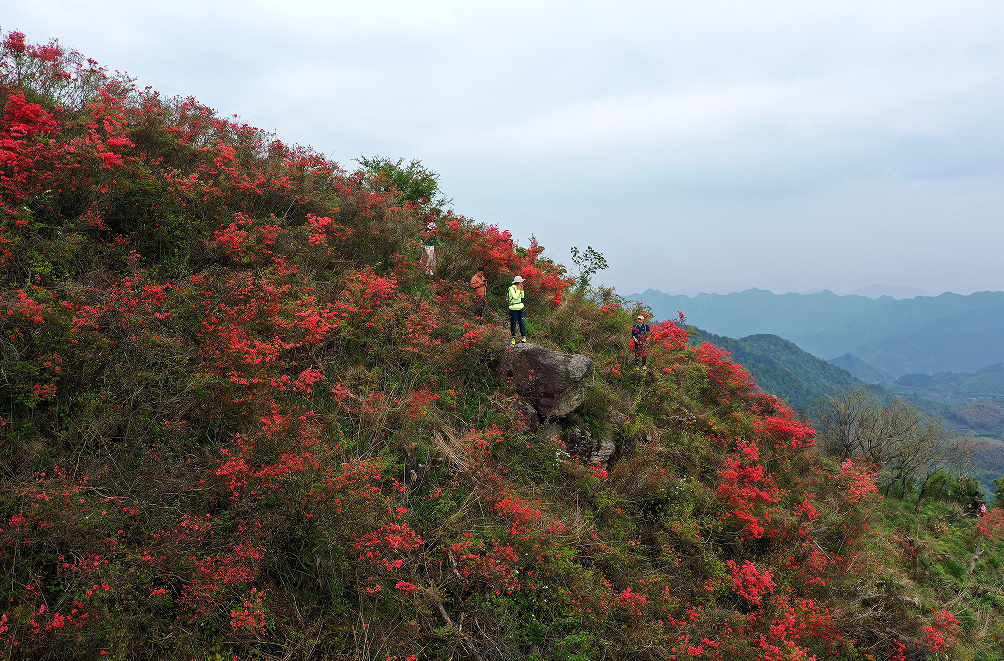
(239,419)
(925,334)
(784,370)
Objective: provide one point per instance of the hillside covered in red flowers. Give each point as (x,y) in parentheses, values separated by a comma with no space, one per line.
(240,421)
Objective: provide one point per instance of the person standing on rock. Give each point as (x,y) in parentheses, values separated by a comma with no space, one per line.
(639,340)
(480,286)
(515,297)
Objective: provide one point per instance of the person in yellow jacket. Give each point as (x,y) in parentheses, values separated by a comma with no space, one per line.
(516,295)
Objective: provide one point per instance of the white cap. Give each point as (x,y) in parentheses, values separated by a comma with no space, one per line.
(518,278)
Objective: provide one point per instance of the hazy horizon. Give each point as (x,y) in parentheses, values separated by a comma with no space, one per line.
(870,291)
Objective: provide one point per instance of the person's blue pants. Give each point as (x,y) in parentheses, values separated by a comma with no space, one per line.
(516,317)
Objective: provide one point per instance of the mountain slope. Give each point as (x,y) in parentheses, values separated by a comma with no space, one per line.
(240,420)
(784,370)
(954,387)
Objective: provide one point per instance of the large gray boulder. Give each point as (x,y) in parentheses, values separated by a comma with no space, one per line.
(554,383)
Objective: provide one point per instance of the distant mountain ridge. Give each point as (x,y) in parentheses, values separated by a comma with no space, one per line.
(862,370)
(925,334)
(898,291)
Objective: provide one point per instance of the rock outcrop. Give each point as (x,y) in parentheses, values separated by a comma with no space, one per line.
(579,442)
(554,383)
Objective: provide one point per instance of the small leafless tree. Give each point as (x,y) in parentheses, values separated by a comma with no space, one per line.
(904,442)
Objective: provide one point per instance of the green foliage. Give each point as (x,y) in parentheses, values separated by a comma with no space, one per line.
(412,182)
(589,262)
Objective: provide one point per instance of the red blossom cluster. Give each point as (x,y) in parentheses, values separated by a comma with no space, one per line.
(219,577)
(859,480)
(749,489)
(387,545)
(992,525)
(750,582)
(502,258)
(253,614)
(939,635)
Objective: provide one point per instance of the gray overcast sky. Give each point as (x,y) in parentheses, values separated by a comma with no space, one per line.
(701,146)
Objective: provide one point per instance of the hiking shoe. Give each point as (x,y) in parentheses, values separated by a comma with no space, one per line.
(514,341)
(523,340)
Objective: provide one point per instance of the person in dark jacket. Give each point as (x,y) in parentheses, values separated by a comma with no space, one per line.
(639,341)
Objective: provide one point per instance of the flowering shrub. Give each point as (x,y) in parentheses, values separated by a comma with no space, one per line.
(940,634)
(992,525)
(749,582)
(745,484)
(859,480)
(253,615)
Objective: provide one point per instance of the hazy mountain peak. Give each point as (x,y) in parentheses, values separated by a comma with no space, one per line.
(897,292)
